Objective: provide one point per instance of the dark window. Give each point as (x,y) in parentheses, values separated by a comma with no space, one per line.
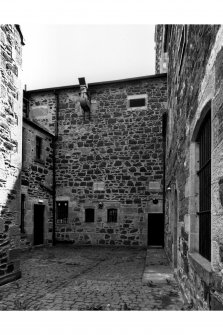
(141,102)
(112,215)
(22,225)
(38,147)
(204,173)
(62,211)
(89,215)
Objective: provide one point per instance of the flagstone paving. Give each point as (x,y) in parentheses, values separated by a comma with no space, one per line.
(89,278)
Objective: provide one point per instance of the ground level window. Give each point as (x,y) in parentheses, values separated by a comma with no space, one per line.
(89,215)
(62,211)
(112,215)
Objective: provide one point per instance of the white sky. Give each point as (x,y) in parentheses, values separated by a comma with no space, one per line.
(57,54)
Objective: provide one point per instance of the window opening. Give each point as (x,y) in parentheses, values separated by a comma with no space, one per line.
(89,215)
(38,147)
(62,211)
(139,102)
(112,215)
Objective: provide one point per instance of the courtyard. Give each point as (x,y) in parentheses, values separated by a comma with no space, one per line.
(90,278)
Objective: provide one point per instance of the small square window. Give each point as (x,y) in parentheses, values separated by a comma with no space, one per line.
(112,215)
(38,147)
(89,215)
(62,211)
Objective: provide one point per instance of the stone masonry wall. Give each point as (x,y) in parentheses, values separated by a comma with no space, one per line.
(193,83)
(37,181)
(109,159)
(10,150)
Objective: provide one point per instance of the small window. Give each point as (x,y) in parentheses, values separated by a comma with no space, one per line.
(89,215)
(38,147)
(137,101)
(112,215)
(62,211)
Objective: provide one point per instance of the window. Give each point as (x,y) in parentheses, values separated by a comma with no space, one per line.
(89,215)
(137,101)
(22,225)
(62,211)
(112,215)
(204,175)
(38,147)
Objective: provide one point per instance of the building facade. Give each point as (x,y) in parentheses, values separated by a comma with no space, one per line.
(194,161)
(36,185)
(108,160)
(11,41)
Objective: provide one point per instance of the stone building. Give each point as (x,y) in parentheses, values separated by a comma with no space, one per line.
(11,40)
(36,184)
(108,160)
(194,158)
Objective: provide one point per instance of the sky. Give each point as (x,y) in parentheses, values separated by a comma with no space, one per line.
(58,54)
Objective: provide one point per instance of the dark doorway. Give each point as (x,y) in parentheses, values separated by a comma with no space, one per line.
(38,224)
(155,230)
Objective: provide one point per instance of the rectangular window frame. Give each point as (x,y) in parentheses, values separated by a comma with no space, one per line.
(62,215)
(112,215)
(88,217)
(137,97)
(39,147)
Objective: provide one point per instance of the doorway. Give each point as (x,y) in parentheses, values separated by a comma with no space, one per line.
(155,229)
(38,224)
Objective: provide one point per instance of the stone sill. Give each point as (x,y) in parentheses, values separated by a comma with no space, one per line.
(202,267)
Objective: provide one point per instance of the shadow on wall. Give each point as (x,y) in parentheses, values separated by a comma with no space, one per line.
(10,228)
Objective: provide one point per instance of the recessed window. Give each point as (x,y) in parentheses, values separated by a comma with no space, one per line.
(112,215)
(89,215)
(62,211)
(137,101)
(38,147)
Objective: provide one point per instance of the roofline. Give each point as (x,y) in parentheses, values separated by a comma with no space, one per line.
(37,126)
(154,76)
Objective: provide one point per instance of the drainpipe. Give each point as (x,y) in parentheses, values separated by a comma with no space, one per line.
(164,124)
(54,168)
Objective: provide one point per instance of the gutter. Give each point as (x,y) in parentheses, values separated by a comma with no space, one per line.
(54,169)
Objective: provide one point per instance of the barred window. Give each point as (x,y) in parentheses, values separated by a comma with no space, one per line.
(112,215)
(62,211)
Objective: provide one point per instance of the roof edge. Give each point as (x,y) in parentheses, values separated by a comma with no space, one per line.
(154,76)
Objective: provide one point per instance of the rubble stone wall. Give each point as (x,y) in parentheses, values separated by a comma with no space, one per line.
(110,159)
(10,150)
(194,82)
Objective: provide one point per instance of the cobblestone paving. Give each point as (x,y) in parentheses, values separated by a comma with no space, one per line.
(88,278)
